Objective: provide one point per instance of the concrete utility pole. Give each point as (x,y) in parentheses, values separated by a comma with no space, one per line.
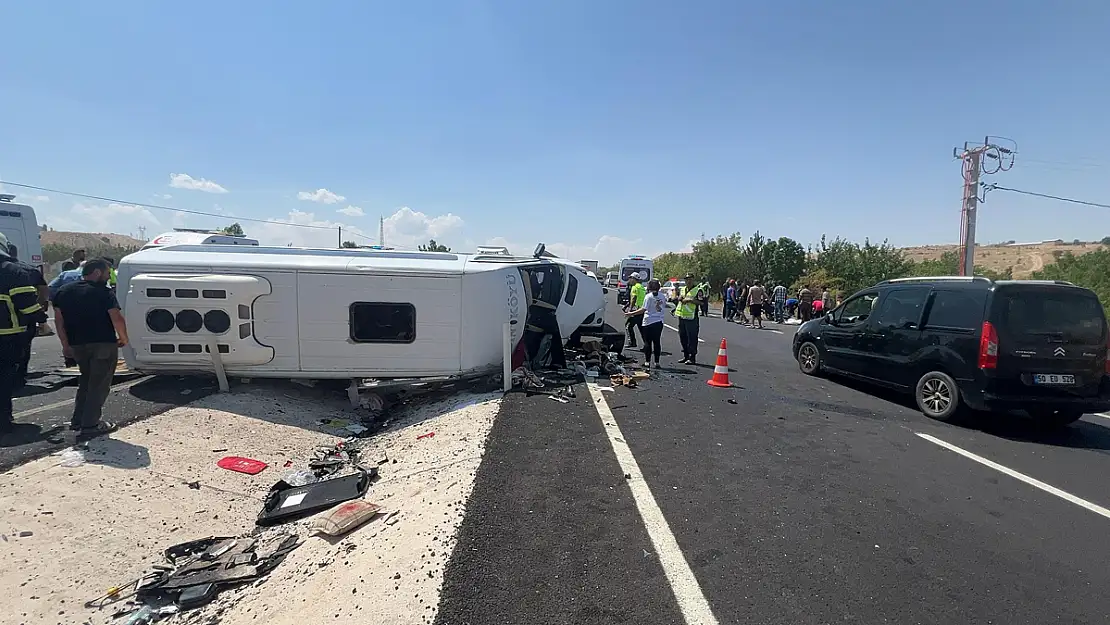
(985,158)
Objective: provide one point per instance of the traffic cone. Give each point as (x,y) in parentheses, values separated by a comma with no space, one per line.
(720,370)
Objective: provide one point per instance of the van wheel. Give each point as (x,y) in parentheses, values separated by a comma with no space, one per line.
(938,396)
(1052,419)
(809,358)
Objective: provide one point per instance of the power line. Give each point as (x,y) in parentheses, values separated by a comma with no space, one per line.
(166,208)
(995,187)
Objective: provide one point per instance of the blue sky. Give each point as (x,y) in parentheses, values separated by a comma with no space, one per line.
(601,127)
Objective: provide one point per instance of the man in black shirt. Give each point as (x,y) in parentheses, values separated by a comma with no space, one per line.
(91,329)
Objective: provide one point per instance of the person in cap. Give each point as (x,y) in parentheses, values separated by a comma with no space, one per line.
(19,295)
(686,309)
(636,295)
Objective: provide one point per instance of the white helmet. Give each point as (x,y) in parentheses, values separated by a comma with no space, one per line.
(635,274)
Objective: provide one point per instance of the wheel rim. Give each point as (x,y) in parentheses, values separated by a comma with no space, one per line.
(808,356)
(936,396)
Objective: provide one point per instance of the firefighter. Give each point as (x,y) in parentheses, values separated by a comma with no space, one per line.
(19,295)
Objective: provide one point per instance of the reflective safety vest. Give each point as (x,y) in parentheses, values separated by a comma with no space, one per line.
(111,277)
(689,310)
(19,295)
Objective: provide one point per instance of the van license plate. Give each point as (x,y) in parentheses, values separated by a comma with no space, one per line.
(1053,378)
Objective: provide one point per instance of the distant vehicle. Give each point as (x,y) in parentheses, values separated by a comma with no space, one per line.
(670,287)
(628,266)
(590,265)
(281,312)
(1037,345)
(612,279)
(186,236)
(18,223)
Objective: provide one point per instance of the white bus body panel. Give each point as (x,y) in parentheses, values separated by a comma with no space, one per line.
(300,308)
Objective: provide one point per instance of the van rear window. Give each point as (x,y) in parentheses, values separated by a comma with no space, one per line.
(1075,315)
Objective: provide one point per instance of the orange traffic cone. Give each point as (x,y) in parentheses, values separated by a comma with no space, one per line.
(720,370)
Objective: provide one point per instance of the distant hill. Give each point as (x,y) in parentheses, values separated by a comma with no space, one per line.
(1023,258)
(88,240)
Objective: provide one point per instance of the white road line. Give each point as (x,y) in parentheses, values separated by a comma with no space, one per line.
(1100,414)
(59,404)
(691,600)
(700,340)
(1048,488)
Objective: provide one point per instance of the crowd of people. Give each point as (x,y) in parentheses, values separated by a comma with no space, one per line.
(750,304)
(744,303)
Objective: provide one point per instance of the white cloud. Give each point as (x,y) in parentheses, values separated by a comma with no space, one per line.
(352,211)
(320,196)
(167,196)
(405,229)
(121,218)
(185,181)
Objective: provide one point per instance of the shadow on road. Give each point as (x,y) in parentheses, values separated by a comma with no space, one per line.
(27,433)
(110,452)
(1021,428)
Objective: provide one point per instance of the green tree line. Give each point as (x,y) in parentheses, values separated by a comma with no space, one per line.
(844,266)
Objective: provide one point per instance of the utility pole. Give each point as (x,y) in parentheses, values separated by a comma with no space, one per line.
(142,233)
(341,237)
(985,158)
(381,232)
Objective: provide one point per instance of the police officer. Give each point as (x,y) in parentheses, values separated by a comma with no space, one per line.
(19,295)
(686,309)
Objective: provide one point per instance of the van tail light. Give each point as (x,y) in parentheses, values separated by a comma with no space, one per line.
(988,347)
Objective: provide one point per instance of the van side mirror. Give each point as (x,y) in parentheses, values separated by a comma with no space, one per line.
(829,319)
(605,290)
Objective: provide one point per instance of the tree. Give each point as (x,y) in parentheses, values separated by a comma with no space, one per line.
(787,261)
(672,265)
(234,230)
(949,265)
(1105,241)
(719,258)
(859,266)
(432,246)
(1090,270)
(349,244)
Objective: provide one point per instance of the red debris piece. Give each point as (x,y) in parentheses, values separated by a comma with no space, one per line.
(428,435)
(241,465)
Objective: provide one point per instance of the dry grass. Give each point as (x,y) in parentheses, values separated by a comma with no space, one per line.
(1024,259)
(89,240)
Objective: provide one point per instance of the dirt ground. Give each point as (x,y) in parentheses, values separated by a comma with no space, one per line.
(1024,259)
(67,534)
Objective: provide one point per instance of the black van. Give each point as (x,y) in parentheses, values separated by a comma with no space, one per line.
(1038,346)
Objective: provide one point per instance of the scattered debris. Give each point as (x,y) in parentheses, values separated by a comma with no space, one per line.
(72,458)
(427,435)
(286,502)
(241,465)
(193,485)
(344,517)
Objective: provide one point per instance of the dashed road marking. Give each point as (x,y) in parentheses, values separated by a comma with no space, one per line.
(700,340)
(1048,488)
(691,600)
(66,402)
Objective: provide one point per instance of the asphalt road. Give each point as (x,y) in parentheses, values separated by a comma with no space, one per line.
(786,499)
(43,408)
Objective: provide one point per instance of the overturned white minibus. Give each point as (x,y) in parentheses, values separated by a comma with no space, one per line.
(347,313)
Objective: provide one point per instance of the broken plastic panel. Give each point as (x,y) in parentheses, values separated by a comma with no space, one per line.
(285,502)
